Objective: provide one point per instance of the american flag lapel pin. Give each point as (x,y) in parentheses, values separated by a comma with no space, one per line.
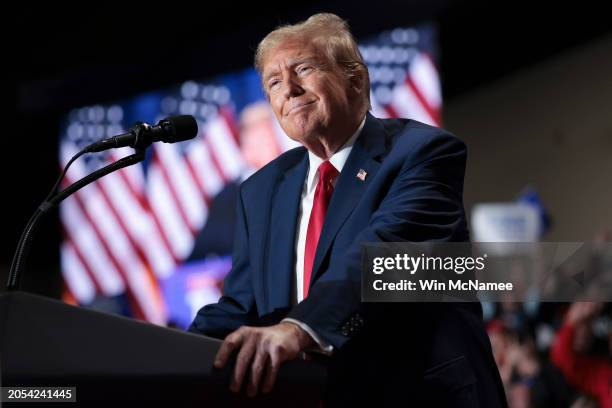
(361,174)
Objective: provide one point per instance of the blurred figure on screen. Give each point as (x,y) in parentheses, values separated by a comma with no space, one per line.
(258,142)
(258,146)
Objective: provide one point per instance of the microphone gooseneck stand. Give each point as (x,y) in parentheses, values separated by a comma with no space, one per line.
(55,197)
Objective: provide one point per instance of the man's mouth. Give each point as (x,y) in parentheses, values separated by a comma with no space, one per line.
(299,107)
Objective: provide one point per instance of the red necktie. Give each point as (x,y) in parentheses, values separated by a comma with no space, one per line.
(323,193)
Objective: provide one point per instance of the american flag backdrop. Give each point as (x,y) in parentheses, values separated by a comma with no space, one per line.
(127,236)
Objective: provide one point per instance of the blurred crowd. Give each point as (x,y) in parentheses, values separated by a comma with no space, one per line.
(552,354)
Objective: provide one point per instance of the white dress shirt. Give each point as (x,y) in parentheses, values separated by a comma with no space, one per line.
(338,160)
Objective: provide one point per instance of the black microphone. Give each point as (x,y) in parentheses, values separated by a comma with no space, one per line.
(173,129)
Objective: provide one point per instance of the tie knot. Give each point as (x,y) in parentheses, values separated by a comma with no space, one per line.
(327,172)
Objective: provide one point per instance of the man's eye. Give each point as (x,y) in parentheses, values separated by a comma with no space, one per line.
(305,69)
(273,84)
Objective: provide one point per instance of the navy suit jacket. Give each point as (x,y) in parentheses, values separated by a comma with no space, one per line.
(412,192)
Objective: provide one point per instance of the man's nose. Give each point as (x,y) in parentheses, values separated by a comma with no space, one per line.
(293,87)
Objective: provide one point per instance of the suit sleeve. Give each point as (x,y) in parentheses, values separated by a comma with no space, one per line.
(237,305)
(423,203)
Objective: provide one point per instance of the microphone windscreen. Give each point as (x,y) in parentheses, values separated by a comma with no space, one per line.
(181,127)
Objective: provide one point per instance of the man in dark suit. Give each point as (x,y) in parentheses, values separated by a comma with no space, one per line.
(296,275)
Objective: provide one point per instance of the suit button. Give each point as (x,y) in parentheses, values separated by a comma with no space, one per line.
(346,329)
(356,321)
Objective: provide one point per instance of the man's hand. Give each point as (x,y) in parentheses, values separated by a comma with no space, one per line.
(261,349)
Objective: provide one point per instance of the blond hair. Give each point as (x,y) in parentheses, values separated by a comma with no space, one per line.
(329,33)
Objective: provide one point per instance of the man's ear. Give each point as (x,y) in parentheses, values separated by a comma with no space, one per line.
(356,81)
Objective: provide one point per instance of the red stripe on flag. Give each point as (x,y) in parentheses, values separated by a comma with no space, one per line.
(88,269)
(132,299)
(198,181)
(136,246)
(215,160)
(227,116)
(433,113)
(173,193)
(67,295)
(391,111)
(147,208)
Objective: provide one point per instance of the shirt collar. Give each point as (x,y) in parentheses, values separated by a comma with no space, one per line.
(338,159)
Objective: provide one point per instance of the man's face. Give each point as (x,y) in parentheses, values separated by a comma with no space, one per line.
(310,96)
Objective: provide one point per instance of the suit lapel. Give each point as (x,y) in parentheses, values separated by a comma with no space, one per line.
(349,188)
(280,258)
